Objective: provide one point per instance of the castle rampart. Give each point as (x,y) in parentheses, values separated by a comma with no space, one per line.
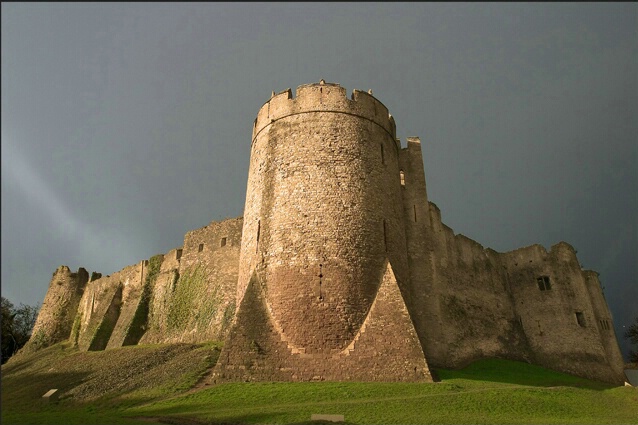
(342,269)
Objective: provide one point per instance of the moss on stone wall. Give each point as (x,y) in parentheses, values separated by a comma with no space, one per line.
(75,329)
(229,313)
(190,297)
(138,325)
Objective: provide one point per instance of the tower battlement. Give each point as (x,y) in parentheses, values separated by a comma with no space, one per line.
(327,98)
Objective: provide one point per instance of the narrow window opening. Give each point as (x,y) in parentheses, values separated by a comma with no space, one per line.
(385,236)
(258,232)
(320,282)
(580,318)
(382,156)
(520,321)
(223,242)
(402,175)
(415,213)
(543,283)
(201,247)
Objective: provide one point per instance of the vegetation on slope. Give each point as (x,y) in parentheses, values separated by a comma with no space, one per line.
(159,384)
(17,324)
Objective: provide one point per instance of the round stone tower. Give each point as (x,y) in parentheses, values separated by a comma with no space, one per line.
(323,213)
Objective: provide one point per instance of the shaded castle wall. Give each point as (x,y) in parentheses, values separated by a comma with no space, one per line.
(604,322)
(560,319)
(490,305)
(159,303)
(55,319)
(130,324)
(99,314)
(477,316)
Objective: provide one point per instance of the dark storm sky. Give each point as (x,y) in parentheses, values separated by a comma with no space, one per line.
(126,125)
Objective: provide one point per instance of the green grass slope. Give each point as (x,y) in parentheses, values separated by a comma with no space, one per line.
(162,384)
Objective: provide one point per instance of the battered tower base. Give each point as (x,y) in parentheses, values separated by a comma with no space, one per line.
(385,349)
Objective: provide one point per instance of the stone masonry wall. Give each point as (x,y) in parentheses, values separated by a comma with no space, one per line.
(98,316)
(55,319)
(604,322)
(477,316)
(194,296)
(132,300)
(386,348)
(559,319)
(159,303)
(323,211)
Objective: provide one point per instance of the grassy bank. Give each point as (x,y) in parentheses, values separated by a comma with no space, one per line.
(150,384)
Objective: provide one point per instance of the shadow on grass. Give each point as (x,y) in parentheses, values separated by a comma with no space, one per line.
(25,391)
(518,373)
(235,420)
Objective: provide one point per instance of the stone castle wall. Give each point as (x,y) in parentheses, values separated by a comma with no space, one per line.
(107,308)
(323,211)
(341,269)
(56,316)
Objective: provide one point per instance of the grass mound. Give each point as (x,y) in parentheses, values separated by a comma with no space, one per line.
(154,384)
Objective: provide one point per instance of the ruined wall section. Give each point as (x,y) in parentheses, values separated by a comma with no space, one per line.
(99,309)
(323,211)
(56,316)
(554,306)
(194,295)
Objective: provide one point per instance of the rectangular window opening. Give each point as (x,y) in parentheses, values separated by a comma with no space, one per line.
(543,283)
(201,247)
(223,242)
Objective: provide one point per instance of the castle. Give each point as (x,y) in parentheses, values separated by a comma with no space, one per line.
(341,269)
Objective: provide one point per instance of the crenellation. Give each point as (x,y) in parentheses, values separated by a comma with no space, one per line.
(341,269)
(327,98)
